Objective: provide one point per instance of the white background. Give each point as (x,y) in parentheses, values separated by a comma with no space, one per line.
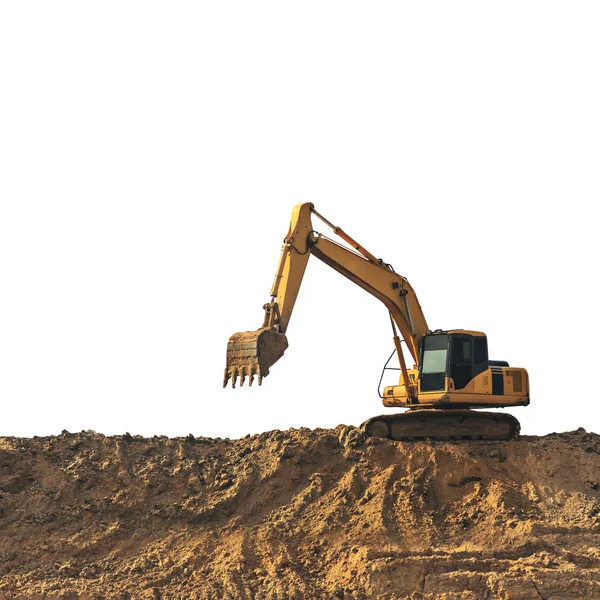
(150,156)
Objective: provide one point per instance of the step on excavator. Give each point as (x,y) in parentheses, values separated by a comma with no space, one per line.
(451,375)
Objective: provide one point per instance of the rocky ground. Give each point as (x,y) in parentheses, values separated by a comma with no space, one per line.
(299,514)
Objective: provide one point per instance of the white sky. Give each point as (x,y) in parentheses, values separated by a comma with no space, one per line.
(150,156)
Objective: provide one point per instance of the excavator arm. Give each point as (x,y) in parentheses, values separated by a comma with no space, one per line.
(252,353)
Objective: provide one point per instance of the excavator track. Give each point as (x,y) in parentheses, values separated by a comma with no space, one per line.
(443,424)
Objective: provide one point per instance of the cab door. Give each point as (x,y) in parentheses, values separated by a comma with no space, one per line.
(468,358)
(461,360)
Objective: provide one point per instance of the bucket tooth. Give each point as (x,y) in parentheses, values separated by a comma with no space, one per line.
(251,374)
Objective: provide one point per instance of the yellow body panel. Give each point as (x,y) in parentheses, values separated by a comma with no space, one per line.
(478,392)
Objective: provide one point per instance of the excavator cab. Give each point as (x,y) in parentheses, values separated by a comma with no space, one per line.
(455,372)
(459,356)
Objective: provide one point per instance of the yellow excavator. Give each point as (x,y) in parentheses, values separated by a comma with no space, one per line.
(451,375)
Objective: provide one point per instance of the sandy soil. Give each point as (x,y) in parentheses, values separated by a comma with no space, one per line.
(299,514)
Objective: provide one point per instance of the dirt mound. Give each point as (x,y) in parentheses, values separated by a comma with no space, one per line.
(299,514)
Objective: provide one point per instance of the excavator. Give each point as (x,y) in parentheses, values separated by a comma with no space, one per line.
(451,374)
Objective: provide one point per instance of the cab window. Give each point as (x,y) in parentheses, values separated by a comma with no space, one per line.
(461,360)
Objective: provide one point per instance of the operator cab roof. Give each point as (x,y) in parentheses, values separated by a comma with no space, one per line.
(460,331)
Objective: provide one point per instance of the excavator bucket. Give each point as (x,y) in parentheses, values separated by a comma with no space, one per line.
(252,353)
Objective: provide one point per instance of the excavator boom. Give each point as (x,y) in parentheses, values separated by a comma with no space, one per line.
(253,351)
